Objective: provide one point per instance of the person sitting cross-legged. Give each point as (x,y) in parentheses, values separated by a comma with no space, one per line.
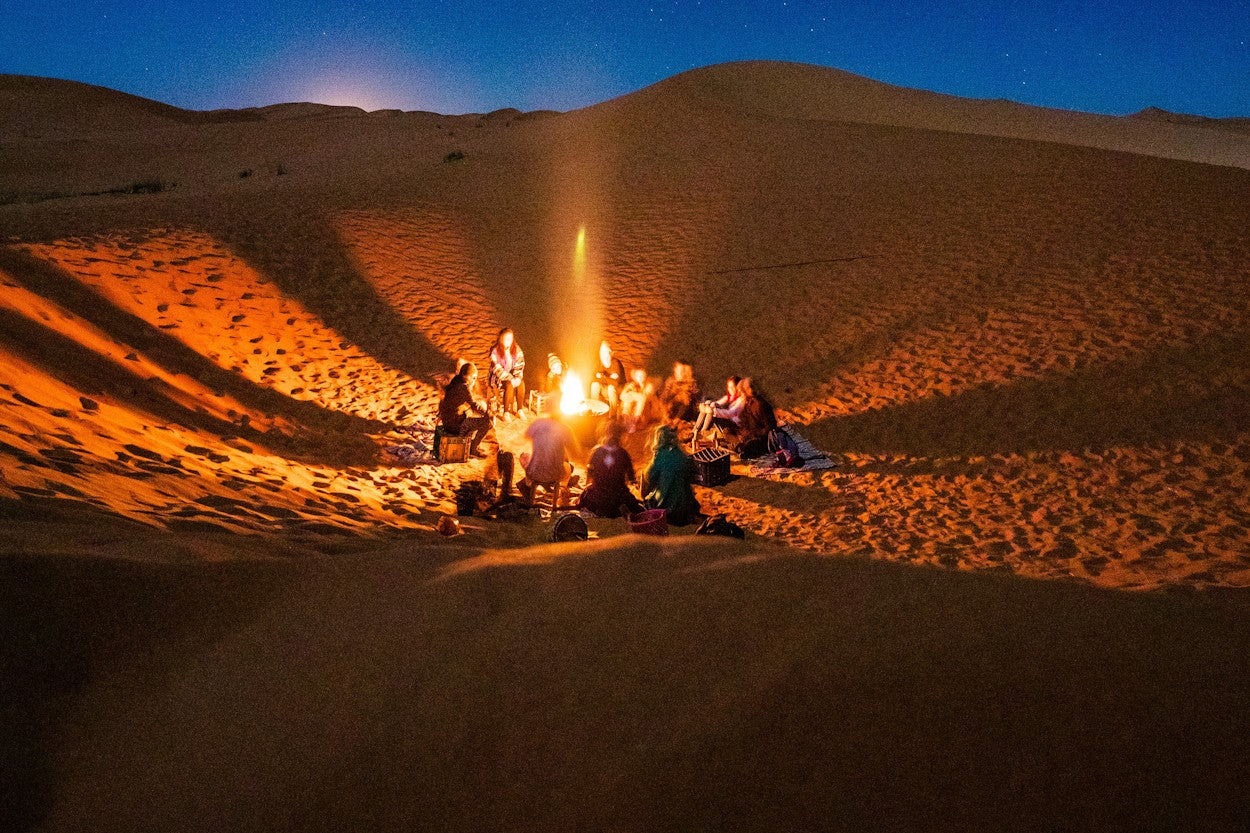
(609,378)
(609,473)
(638,403)
(669,483)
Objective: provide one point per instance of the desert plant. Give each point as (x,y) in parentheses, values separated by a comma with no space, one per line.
(146,186)
(454,156)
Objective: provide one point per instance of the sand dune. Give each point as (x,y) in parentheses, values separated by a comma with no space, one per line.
(1020,333)
(771,89)
(1026,355)
(627,685)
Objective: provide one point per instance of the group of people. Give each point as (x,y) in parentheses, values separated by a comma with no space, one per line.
(462,414)
(668,482)
(742,416)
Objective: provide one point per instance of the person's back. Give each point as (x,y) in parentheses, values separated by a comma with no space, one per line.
(758,417)
(551,442)
(670,479)
(609,473)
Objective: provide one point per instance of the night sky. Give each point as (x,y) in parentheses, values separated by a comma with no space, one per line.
(1113,56)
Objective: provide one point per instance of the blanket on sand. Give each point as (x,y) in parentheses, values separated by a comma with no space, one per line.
(813,458)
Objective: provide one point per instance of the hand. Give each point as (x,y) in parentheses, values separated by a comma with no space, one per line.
(516,382)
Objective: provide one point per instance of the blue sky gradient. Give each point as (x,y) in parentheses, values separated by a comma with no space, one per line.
(1115,57)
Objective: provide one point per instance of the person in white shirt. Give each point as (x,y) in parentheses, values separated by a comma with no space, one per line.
(724,413)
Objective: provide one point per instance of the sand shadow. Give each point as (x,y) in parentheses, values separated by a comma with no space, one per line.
(90,373)
(67,622)
(1196,392)
(327,282)
(55,284)
(662,687)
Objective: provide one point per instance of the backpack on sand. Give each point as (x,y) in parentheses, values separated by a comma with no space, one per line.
(720,525)
(784,446)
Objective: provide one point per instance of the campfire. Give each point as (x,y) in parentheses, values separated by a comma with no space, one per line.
(583,415)
(572,394)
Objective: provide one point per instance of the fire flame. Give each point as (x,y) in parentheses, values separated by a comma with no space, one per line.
(572,393)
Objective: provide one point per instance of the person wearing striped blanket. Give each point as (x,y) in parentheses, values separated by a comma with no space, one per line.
(507,374)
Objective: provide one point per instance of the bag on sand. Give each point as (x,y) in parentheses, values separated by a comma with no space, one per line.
(784,446)
(720,525)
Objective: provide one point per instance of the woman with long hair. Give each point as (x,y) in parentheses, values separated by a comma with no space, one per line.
(669,483)
(507,373)
(755,423)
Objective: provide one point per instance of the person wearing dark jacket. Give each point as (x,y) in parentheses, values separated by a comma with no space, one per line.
(609,473)
(755,422)
(460,413)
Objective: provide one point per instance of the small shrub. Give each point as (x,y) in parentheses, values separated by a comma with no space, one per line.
(147,186)
(245,174)
(454,156)
(281,169)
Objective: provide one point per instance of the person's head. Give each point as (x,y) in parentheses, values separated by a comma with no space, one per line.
(731,385)
(605,353)
(554,364)
(506,339)
(468,372)
(744,387)
(666,437)
(639,375)
(681,370)
(613,430)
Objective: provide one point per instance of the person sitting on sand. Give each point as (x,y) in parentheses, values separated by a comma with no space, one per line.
(551,445)
(668,484)
(637,399)
(507,373)
(462,415)
(554,379)
(680,393)
(609,472)
(756,421)
(724,413)
(609,377)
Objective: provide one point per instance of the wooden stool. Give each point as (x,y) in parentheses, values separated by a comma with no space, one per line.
(538,401)
(452,449)
(552,491)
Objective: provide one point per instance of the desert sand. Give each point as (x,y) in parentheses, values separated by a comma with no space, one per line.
(1021,335)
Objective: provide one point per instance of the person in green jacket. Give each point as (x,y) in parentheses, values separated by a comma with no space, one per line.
(668,484)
